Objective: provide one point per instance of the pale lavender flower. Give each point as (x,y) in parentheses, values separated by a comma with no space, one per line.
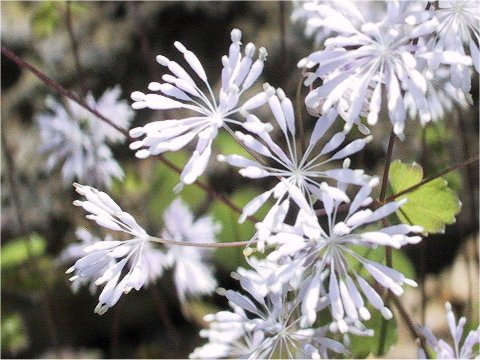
(73,137)
(181,91)
(75,251)
(459,28)
(327,256)
(365,61)
(111,105)
(98,264)
(263,324)
(323,18)
(459,350)
(124,265)
(442,97)
(191,275)
(299,174)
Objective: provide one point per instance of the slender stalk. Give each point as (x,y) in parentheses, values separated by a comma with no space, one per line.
(423,244)
(162,312)
(73,40)
(299,106)
(388,249)
(145,47)
(464,130)
(202,245)
(19,211)
(60,89)
(410,324)
(386,168)
(74,97)
(283,38)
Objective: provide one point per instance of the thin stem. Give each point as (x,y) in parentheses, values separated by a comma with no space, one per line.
(61,90)
(410,324)
(464,130)
(212,193)
(145,47)
(299,106)
(388,249)
(162,312)
(386,168)
(283,38)
(19,211)
(73,40)
(433,177)
(202,245)
(423,244)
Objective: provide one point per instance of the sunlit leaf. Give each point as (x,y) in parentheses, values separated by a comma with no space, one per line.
(431,206)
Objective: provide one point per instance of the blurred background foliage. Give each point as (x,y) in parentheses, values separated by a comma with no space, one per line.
(117,44)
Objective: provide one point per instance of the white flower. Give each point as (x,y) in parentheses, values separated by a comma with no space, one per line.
(191,276)
(73,136)
(134,263)
(75,251)
(459,351)
(459,27)
(98,262)
(324,18)
(109,104)
(442,97)
(374,57)
(182,92)
(299,174)
(327,256)
(264,324)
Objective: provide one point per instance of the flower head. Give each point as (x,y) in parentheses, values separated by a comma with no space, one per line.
(134,263)
(105,260)
(326,256)
(459,27)
(459,350)
(370,58)
(264,324)
(298,174)
(181,91)
(73,136)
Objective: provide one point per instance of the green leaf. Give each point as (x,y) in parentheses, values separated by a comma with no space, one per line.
(19,250)
(431,206)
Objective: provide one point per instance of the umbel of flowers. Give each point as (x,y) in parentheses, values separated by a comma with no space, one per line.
(309,288)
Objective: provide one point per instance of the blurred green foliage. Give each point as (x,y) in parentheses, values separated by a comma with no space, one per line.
(363,346)
(48,16)
(14,338)
(18,251)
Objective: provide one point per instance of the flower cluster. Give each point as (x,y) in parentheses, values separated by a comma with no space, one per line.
(459,350)
(181,91)
(264,324)
(104,262)
(73,136)
(314,282)
(366,58)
